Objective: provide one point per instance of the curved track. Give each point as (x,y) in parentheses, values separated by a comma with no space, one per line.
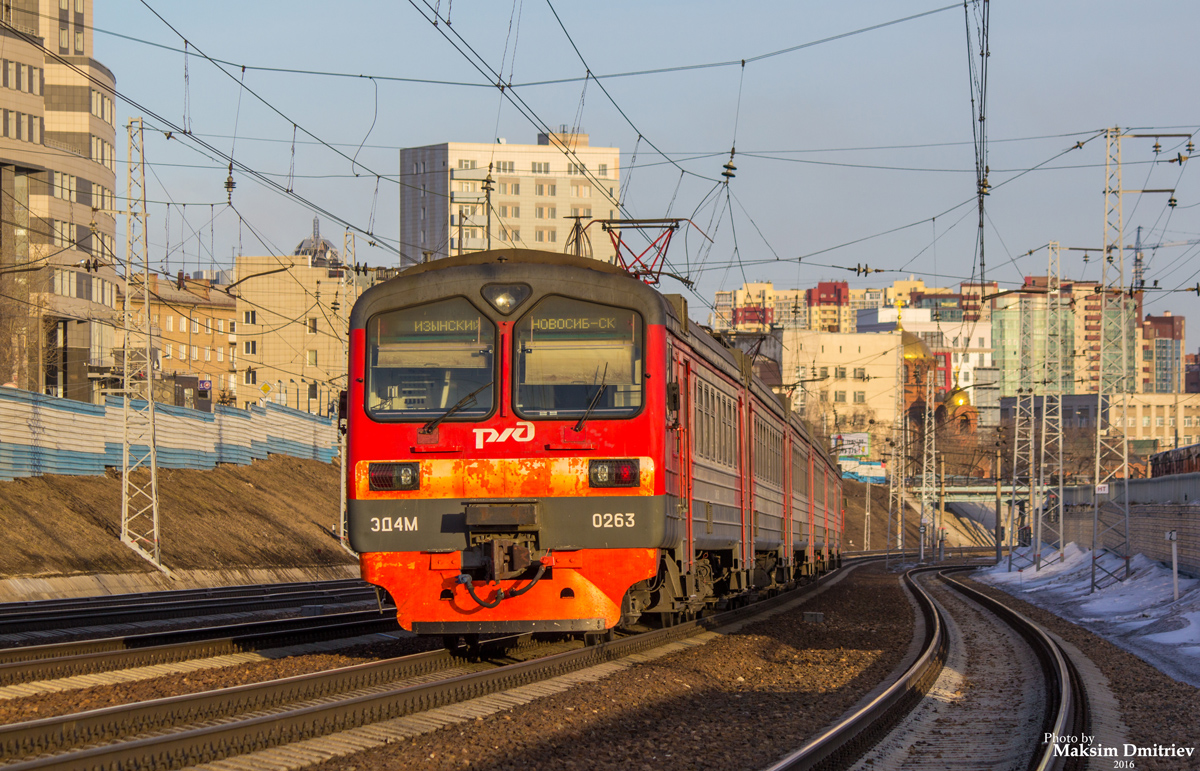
(882,721)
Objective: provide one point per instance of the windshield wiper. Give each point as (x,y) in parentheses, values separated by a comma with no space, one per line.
(595,400)
(463,402)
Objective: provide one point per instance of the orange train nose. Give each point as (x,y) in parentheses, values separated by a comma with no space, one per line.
(580,591)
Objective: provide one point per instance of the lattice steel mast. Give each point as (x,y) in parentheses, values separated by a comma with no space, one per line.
(1110,520)
(898,455)
(1112,443)
(928,463)
(1048,518)
(1023,431)
(139,465)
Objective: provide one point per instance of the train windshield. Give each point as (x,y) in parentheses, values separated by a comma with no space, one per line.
(573,355)
(423,361)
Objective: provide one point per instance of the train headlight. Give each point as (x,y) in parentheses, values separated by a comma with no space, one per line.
(614,473)
(506,297)
(394,476)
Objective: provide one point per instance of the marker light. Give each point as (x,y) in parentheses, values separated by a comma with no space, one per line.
(394,476)
(614,473)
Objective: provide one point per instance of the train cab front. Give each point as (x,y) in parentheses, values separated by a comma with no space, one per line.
(504,472)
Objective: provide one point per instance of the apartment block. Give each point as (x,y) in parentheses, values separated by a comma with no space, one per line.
(759,307)
(291,325)
(829,308)
(538,192)
(57,162)
(847,381)
(1161,359)
(197,335)
(978,299)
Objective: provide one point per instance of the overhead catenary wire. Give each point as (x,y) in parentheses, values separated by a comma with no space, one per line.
(547,82)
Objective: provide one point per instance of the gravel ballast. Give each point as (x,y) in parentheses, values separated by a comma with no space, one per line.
(1157,710)
(98,697)
(740,701)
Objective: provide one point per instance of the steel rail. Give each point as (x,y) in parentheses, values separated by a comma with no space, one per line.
(65,732)
(169,595)
(1066,694)
(841,744)
(45,662)
(212,742)
(55,619)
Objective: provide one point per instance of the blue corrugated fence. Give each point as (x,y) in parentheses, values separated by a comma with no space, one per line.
(48,435)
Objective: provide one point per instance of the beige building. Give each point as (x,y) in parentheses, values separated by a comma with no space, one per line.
(537,189)
(1172,420)
(196,332)
(292,316)
(758,307)
(902,290)
(848,381)
(57,161)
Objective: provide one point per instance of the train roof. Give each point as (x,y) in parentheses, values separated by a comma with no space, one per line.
(555,273)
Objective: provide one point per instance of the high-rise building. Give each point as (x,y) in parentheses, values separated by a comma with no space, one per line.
(537,192)
(58,298)
(1160,363)
(1080,330)
(829,308)
(974,306)
(759,307)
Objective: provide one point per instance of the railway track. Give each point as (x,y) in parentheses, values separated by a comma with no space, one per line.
(58,660)
(905,726)
(200,728)
(16,618)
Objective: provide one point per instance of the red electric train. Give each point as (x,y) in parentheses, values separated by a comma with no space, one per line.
(540,442)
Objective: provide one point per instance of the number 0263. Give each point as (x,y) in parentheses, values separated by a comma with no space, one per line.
(612,520)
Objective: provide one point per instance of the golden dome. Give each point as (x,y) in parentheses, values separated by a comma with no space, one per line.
(913,346)
(956,397)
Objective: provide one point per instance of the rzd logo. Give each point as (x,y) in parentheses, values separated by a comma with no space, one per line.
(523,432)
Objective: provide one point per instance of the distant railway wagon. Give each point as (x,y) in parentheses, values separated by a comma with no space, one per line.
(540,442)
(1181,460)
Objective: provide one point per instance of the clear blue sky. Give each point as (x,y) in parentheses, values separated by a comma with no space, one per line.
(836,141)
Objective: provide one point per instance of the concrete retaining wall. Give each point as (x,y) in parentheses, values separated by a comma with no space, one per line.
(1147,526)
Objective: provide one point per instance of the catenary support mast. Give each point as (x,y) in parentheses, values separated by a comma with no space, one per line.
(139,465)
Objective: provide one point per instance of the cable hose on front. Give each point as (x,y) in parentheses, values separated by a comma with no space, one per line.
(500,595)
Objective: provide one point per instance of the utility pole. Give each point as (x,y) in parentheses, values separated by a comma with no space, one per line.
(999,504)
(940,514)
(139,463)
(487,190)
(867,519)
(348,281)
(1023,426)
